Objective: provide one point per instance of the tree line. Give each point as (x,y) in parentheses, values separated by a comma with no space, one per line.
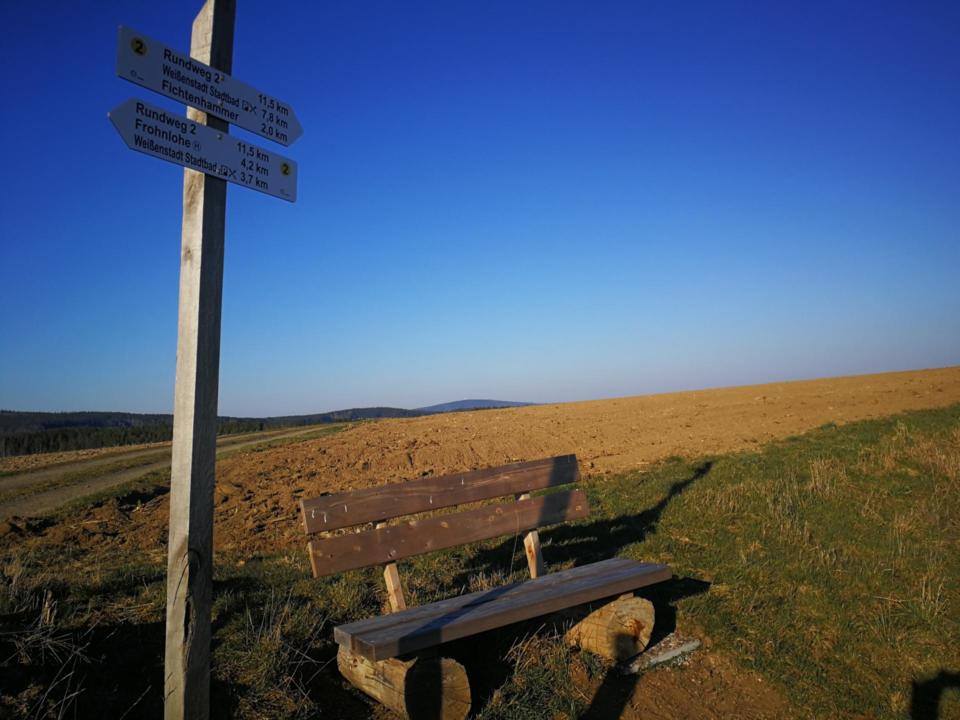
(26,433)
(61,439)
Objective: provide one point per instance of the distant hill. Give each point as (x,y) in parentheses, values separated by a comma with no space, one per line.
(470,405)
(25,433)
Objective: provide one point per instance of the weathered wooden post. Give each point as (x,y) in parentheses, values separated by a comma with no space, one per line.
(190,550)
(212,158)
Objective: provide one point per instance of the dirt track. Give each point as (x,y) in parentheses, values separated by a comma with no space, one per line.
(37,472)
(147,461)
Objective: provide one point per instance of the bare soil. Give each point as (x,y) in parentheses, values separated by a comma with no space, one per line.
(257,493)
(706,686)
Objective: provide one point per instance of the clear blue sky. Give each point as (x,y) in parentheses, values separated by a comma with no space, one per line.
(540,201)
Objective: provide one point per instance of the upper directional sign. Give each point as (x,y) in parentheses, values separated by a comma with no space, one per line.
(149,63)
(169,136)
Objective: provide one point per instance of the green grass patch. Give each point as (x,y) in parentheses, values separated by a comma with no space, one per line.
(833,558)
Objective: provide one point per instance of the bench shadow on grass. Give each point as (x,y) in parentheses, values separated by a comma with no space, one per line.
(580,544)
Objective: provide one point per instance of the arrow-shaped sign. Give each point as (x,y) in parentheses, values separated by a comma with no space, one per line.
(147,62)
(165,135)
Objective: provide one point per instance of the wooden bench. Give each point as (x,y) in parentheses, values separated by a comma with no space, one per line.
(378,654)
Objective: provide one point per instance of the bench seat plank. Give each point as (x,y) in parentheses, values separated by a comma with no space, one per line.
(374,504)
(395,542)
(425,626)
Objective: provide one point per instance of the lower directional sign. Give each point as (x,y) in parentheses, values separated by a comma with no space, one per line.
(168,136)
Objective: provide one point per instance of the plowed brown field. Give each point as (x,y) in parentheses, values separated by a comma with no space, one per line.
(257,492)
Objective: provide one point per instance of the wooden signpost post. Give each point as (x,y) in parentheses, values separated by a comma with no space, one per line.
(186,664)
(210,158)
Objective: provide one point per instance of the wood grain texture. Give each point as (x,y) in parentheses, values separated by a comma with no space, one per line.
(431,688)
(391,577)
(531,548)
(190,548)
(332,512)
(425,626)
(389,544)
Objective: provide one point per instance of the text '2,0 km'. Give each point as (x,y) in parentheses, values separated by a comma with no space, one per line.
(148,62)
(167,136)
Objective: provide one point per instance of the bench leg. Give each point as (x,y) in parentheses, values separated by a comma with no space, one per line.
(423,688)
(617,631)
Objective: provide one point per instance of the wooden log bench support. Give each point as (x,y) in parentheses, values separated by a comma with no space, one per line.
(389,657)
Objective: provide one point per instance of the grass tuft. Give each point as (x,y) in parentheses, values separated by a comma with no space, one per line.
(542,682)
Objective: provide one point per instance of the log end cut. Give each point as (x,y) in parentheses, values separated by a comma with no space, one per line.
(617,631)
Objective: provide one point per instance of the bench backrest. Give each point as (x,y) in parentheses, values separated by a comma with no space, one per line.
(387,544)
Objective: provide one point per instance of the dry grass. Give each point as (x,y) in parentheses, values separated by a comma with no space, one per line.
(276,658)
(542,682)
